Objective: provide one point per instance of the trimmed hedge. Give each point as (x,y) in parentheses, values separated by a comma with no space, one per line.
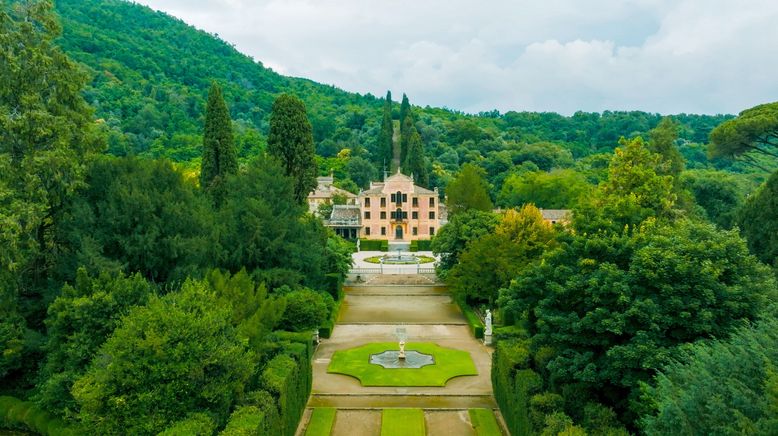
(244,421)
(196,424)
(514,384)
(288,377)
(472,319)
(18,414)
(325,331)
(373,245)
(421,245)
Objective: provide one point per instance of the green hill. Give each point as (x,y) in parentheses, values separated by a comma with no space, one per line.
(151,73)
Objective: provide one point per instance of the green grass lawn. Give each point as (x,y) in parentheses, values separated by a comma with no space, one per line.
(321,422)
(449,363)
(484,422)
(403,422)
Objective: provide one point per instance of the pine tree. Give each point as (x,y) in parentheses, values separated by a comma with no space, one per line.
(415,162)
(219,156)
(385,143)
(291,141)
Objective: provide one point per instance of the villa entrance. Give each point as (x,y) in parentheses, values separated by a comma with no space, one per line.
(398,232)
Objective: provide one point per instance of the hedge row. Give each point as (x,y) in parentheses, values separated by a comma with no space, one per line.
(472,319)
(421,245)
(514,384)
(288,377)
(18,414)
(373,245)
(325,331)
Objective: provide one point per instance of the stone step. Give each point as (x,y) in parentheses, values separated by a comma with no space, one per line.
(422,401)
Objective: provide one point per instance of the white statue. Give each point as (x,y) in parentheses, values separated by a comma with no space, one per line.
(401,354)
(488,329)
(357,245)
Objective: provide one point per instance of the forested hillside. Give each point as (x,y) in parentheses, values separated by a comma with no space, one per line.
(150,74)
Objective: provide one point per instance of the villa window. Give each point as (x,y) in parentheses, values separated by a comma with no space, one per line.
(432,231)
(432,201)
(367,231)
(398,198)
(367,202)
(393,215)
(367,214)
(415,215)
(394,198)
(432,214)
(405,215)
(405,198)
(415,231)
(383,215)
(383,201)
(383,231)
(415,202)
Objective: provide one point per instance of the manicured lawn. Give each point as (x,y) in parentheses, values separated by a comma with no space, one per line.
(449,363)
(321,422)
(403,422)
(484,422)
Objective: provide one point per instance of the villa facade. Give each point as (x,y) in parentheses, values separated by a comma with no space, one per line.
(396,210)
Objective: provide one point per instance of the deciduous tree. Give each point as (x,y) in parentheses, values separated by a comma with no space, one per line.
(468,190)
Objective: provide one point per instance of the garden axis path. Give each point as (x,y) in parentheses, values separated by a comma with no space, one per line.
(372,312)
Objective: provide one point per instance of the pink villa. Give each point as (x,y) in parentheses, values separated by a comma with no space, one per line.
(396,210)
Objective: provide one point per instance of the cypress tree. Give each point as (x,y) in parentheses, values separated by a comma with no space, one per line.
(219,156)
(406,124)
(415,162)
(291,141)
(385,142)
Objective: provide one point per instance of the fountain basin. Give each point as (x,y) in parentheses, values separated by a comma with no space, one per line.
(390,359)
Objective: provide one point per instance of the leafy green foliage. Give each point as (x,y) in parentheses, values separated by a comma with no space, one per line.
(291,141)
(758,220)
(138,215)
(468,190)
(559,189)
(490,262)
(177,355)
(197,424)
(719,194)
(306,310)
(78,323)
(454,237)
(719,387)
(615,307)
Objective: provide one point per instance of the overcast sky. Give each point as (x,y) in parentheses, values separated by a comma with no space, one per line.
(667,56)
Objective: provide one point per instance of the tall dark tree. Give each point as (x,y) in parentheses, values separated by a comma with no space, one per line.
(291,141)
(415,162)
(385,136)
(406,127)
(219,156)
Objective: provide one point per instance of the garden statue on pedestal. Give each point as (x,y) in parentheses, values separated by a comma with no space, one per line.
(488,328)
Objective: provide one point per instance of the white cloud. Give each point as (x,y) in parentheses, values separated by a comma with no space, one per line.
(666,56)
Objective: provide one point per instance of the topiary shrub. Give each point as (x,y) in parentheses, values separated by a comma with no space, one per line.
(306,310)
(196,424)
(244,421)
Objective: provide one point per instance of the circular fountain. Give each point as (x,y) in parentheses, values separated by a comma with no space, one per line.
(390,359)
(399,259)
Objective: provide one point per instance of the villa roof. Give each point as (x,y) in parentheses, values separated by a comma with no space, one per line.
(342,212)
(325,189)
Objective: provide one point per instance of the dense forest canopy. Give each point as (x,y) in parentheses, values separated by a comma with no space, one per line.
(150,75)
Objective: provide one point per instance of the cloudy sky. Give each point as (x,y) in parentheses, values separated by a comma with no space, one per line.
(667,56)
